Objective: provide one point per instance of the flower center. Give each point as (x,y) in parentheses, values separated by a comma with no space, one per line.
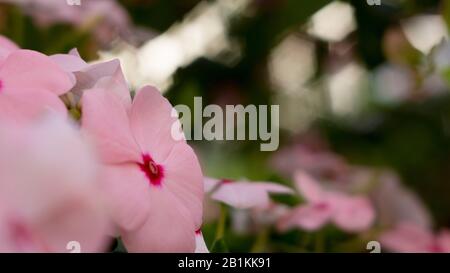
(153,168)
(226,181)
(321,206)
(153,171)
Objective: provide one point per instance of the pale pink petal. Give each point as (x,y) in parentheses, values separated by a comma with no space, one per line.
(209,184)
(169,228)
(28,70)
(105,75)
(353,214)
(152,122)
(50,188)
(48,149)
(407,238)
(308,187)
(270,187)
(105,119)
(68,62)
(200,245)
(395,203)
(246,195)
(25,105)
(6,47)
(81,221)
(309,217)
(183,177)
(127,193)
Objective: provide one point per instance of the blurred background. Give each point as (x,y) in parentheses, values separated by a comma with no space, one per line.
(363,88)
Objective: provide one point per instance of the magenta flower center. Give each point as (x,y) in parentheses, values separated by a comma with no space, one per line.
(153,171)
(321,206)
(226,181)
(24,238)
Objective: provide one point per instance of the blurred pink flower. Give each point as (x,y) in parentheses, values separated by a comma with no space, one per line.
(30,83)
(109,17)
(200,245)
(349,213)
(243,194)
(396,204)
(312,155)
(410,238)
(47,188)
(153,182)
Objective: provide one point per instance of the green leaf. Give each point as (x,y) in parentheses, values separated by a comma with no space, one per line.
(446,12)
(219,246)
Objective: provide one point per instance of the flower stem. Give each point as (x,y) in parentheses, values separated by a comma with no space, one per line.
(261,241)
(320,242)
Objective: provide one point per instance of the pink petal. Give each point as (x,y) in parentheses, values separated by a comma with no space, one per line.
(105,75)
(105,119)
(395,203)
(200,245)
(152,122)
(407,238)
(83,221)
(209,184)
(68,62)
(126,191)
(246,195)
(39,71)
(25,105)
(184,179)
(443,241)
(169,228)
(309,217)
(308,187)
(54,200)
(354,214)
(6,47)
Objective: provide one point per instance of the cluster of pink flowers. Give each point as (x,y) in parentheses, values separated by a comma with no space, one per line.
(82,160)
(355,199)
(115,172)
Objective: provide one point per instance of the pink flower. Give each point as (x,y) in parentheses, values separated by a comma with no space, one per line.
(243,194)
(410,238)
(153,183)
(395,203)
(30,83)
(350,213)
(48,194)
(313,156)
